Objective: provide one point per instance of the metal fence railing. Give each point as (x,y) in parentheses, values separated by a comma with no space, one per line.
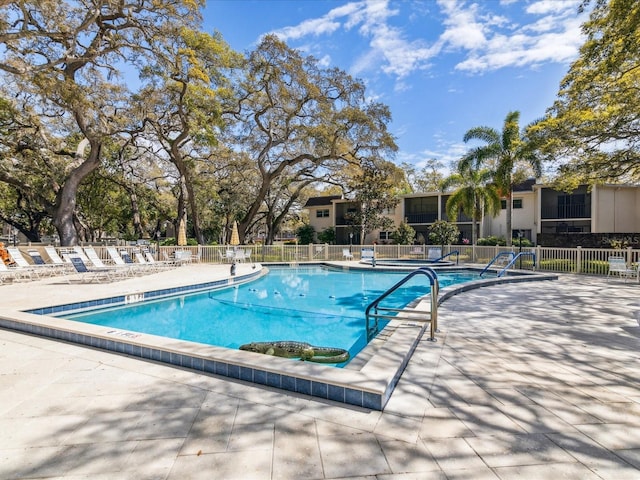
(578,260)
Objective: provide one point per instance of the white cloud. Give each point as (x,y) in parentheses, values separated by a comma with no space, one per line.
(326,24)
(543,7)
(555,37)
(488,39)
(462,27)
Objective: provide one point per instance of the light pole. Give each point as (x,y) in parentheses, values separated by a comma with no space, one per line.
(520,249)
(350,240)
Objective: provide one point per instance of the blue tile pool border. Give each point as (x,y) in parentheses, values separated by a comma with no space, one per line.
(118,300)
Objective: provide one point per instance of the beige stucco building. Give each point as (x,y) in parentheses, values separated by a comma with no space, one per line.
(537,210)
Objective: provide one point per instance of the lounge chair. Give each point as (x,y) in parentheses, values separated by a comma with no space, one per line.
(618,266)
(96,262)
(142,262)
(80,252)
(247,254)
(54,257)
(346,254)
(106,274)
(119,262)
(159,264)
(21,263)
(9,272)
(53,268)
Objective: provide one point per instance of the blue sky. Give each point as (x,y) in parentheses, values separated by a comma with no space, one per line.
(442,66)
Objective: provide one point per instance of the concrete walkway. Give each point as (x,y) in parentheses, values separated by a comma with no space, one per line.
(527,381)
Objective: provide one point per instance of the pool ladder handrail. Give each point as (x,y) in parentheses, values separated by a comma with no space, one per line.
(455,252)
(433,313)
(511,262)
(501,254)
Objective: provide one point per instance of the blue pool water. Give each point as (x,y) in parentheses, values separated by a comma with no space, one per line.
(316,305)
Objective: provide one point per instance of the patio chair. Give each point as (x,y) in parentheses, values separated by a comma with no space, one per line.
(80,252)
(88,275)
(96,261)
(434,253)
(53,268)
(9,272)
(239,256)
(368,254)
(247,254)
(182,256)
(346,254)
(52,253)
(618,266)
(159,264)
(21,263)
(142,262)
(119,262)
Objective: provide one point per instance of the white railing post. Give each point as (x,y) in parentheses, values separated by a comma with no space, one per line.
(578,259)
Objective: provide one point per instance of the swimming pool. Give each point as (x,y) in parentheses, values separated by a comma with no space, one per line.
(315,305)
(367,381)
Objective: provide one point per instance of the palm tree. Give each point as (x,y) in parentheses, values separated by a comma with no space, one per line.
(503,152)
(475,195)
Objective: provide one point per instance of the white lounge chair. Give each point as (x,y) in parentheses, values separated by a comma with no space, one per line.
(159,264)
(346,254)
(618,266)
(119,262)
(25,267)
(54,257)
(51,268)
(107,274)
(12,273)
(142,262)
(80,252)
(96,262)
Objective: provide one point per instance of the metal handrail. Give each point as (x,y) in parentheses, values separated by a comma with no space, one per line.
(433,317)
(501,254)
(455,252)
(513,261)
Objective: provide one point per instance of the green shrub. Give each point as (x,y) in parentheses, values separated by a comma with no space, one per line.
(491,241)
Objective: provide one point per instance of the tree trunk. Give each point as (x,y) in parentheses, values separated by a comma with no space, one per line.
(65,205)
(509,235)
(135,209)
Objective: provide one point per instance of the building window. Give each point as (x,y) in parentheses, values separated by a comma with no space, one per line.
(322,213)
(385,235)
(516,203)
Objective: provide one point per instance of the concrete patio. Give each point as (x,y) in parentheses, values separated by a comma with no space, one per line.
(526,381)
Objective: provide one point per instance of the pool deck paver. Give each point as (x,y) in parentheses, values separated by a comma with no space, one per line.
(526,381)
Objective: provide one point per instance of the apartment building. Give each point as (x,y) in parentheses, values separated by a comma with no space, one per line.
(537,210)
